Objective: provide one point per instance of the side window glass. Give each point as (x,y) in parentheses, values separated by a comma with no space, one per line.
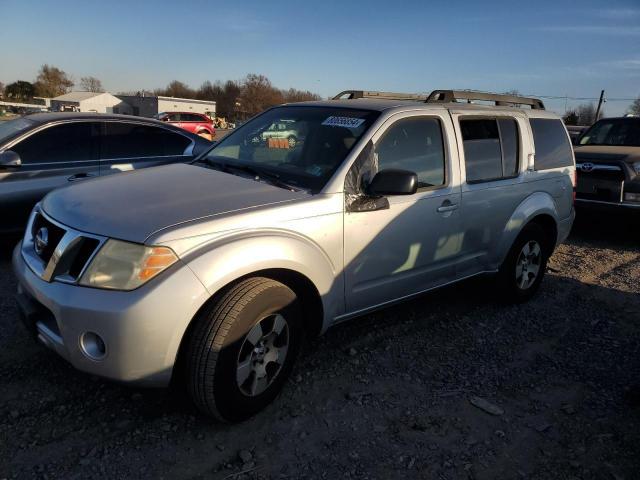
(414,144)
(509,136)
(482,153)
(131,140)
(491,148)
(69,142)
(174,143)
(553,149)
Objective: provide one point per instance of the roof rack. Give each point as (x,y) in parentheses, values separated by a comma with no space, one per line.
(353,94)
(448,96)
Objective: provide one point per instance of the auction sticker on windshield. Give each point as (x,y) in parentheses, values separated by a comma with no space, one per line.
(347,122)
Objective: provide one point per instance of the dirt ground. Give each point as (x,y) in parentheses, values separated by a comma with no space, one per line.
(453,385)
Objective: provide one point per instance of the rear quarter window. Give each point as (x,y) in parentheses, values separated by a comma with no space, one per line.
(553,149)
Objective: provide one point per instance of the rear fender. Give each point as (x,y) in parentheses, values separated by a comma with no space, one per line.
(538,203)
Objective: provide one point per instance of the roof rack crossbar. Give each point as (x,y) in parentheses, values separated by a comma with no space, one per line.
(448,96)
(354,94)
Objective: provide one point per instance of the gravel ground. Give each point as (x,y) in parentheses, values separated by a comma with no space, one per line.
(453,385)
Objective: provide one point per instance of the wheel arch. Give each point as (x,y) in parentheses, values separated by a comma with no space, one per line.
(304,288)
(537,208)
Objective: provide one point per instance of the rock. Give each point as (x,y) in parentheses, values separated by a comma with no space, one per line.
(298,378)
(352,352)
(486,406)
(245,456)
(14,414)
(136,397)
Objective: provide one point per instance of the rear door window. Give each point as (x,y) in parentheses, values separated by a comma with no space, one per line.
(553,149)
(131,140)
(491,148)
(68,142)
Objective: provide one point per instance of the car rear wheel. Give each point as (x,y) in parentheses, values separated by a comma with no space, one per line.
(522,271)
(242,349)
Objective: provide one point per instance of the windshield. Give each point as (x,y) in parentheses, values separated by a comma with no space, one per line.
(300,145)
(619,132)
(14,127)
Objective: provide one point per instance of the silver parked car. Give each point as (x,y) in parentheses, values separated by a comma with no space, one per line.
(214,271)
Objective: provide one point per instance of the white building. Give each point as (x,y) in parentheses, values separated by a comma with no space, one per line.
(90,102)
(148,106)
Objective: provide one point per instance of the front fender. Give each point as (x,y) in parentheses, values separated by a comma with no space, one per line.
(227,259)
(539,203)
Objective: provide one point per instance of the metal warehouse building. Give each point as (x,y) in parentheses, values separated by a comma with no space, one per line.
(89,102)
(149,106)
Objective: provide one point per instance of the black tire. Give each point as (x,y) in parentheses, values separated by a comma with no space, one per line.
(511,289)
(214,347)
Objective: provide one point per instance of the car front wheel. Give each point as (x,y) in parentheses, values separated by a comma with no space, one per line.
(242,349)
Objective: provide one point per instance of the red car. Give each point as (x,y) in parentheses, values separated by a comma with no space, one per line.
(192,122)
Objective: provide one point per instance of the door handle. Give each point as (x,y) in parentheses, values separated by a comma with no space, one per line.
(447,206)
(80,176)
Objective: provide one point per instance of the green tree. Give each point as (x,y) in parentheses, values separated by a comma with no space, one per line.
(20,90)
(51,82)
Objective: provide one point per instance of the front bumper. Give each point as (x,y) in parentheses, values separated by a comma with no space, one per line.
(141,329)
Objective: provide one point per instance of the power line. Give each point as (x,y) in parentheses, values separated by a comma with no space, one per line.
(564,97)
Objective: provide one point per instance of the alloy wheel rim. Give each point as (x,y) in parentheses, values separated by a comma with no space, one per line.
(528,264)
(262,355)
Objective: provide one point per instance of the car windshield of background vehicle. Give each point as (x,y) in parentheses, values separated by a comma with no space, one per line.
(12,128)
(623,133)
(300,146)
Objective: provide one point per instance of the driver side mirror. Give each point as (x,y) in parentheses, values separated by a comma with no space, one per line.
(10,159)
(393,182)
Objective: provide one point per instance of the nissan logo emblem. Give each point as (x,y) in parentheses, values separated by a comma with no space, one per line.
(41,240)
(586,167)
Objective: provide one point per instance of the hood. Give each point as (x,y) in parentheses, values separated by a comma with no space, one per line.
(133,205)
(607,153)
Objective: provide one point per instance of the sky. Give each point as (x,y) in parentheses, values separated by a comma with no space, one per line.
(543,47)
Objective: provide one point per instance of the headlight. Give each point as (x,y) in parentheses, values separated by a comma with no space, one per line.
(125,266)
(636,167)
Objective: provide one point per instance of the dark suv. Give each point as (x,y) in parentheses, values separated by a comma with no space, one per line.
(44,151)
(608,164)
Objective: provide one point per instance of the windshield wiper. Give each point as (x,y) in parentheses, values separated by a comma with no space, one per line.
(258,174)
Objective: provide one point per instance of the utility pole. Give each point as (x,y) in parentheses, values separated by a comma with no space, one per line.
(599,105)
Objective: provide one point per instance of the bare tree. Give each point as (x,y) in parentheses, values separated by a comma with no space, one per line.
(634,109)
(51,81)
(178,89)
(91,84)
(1,90)
(258,94)
(586,114)
(294,95)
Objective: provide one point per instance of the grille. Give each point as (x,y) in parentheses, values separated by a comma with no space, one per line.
(76,250)
(55,234)
(603,182)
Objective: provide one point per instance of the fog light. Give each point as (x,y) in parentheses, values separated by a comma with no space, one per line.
(93,346)
(632,197)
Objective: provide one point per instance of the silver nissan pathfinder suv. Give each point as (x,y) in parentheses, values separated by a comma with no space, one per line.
(214,271)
